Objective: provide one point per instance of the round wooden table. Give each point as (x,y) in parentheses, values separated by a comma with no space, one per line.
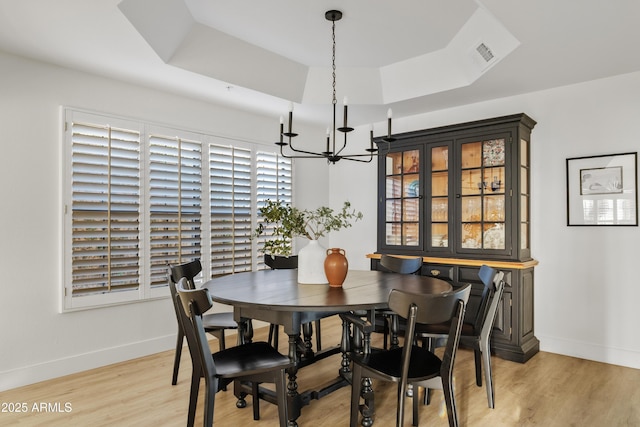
(275,296)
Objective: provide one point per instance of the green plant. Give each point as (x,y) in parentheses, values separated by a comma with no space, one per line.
(282,222)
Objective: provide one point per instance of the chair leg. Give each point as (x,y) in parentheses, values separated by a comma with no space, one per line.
(477,356)
(176,360)
(193,398)
(450,400)
(400,408)
(223,344)
(356,385)
(414,405)
(210,401)
(488,378)
(281,396)
(255,399)
(273,335)
(318,336)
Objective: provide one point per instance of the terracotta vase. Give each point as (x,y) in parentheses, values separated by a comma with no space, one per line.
(336,266)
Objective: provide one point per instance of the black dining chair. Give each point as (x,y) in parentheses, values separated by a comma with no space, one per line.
(254,362)
(409,364)
(213,323)
(476,332)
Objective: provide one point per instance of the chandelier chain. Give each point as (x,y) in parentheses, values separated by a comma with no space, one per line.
(333,61)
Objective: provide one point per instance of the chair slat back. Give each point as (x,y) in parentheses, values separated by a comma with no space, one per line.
(194,302)
(476,317)
(188,270)
(431,308)
(401,265)
(492,309)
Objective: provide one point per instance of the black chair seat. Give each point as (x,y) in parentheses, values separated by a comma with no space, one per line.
(388,364)
(248,359)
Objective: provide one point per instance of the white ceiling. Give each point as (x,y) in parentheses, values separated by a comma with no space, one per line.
(410,55)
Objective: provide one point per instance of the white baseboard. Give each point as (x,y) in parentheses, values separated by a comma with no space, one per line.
(590,351)
(82,362)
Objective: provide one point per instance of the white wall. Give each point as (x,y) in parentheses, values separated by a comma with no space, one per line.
(586,285)
(36,341)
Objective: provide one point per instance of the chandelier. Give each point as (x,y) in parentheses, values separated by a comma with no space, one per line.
(333,150)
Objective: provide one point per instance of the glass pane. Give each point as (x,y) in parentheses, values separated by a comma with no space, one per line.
(440,209)
(439,158)
(471,181)
(411,210)
(494,208)
(394,186)
(471,209)
(494,180)
(439,237)
(411,161)
(524,236)
(471,236)
(411,185)
(439,183)
(493,152)
(524,208)
(524,181)
(394,210)
(394,163)
(494,236)
(471,155)
(410,234)
(524,153)
(394,236)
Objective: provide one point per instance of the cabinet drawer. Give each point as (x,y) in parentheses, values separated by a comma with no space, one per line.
(445,272)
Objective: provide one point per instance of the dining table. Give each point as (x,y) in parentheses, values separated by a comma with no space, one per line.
(276,297)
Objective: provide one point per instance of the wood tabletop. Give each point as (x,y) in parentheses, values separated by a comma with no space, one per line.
(279,290)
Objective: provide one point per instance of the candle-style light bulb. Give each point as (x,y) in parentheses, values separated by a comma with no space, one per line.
(345,111)
(328,138)
(371,136)
(290,117)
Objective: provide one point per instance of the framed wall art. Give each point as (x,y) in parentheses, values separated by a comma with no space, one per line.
(602,190)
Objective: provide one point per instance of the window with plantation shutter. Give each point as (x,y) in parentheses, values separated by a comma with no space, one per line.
(175,199)
(230,182)
(139,196)
(105,210)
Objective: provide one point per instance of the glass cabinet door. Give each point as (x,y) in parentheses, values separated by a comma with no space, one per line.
(402,198)
(482,195)
(438,200)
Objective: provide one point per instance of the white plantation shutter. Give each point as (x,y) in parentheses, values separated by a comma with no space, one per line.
(133,202)
(273,182)
(105,209)
(230,181)
(175,198)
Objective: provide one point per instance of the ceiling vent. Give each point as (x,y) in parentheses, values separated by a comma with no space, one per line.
(482,56)
(485,52)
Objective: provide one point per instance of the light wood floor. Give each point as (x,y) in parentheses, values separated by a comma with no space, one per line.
(549,390)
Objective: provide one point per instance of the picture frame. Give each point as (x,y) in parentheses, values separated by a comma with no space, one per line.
(602,190)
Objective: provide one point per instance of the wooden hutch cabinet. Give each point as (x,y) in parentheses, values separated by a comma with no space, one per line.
(459,197)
